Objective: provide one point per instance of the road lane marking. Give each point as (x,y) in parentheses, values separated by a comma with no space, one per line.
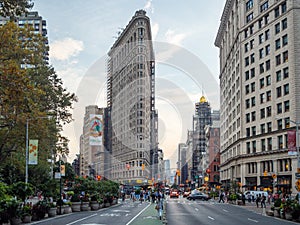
(82,219)
(137,215)
(225,210)
(196,209)
(209,217)
(253,220)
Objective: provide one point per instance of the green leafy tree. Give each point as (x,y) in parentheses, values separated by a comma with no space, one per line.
(30,90)
(14,8)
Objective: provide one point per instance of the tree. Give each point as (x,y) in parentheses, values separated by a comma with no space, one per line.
(30,89)
(14,8)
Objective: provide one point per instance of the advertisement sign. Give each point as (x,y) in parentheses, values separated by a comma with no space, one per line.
(292,142)
(33,152)
(96,129)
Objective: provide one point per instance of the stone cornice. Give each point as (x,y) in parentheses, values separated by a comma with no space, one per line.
(224,19)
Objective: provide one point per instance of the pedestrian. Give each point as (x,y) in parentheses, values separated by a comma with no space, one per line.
(257,200)
(263,201)
(159,207)
(221,197)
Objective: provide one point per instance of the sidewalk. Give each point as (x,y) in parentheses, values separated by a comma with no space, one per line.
(251,206)
(148,217)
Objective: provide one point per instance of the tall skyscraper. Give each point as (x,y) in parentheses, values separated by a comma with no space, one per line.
(201,119)
(259,85)
(131,102)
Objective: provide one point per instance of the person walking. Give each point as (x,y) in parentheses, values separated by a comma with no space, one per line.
(159,207)
(221,197)
(257,200)
(263,201)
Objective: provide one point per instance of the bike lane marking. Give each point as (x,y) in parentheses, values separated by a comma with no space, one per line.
(82,219)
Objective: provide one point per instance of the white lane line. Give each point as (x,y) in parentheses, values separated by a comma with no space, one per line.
(196,209)
(209,217)
(82,219)
(137,215)
(225,210)
(253,220)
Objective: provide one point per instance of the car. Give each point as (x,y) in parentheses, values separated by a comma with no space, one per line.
(198,195)
(174,194)
(186,194)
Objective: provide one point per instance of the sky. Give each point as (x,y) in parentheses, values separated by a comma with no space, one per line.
(81,33)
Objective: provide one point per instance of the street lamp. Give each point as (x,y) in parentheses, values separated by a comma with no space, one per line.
(27,146)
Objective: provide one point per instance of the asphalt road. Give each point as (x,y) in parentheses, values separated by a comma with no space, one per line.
(182,211)
(119,214)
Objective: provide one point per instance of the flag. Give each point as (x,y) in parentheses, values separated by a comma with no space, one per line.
(33,152)
(62,170)
(292,142)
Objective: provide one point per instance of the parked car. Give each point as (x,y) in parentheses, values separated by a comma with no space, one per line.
(174,194)
(198,195)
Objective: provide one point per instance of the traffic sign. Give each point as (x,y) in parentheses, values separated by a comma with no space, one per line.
(297,175)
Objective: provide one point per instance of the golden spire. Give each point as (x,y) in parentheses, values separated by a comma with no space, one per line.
(202,99)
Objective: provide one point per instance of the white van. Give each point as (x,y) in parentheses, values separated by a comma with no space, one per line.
(255,193)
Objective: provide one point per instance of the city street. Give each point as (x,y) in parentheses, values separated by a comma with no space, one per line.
(183,211)
(119,214)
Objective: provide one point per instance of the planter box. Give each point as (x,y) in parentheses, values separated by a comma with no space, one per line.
(270,213)
(27,219)
(85,206)
(94,205)
(76,206)
(52,212)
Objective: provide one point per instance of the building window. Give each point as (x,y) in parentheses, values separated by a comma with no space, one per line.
(262,128)
(260,23)
(262,113)
(247,117)
(261,38)
(249,17)
(248,147)
(267,34)
(252,72)
(253,116)
(285,56)
(278,60)
(278,76)
(268,96)
(246,47)
(261,53)
(264,6)
(252,58)
(284,23)
(284,40)
(247,75)
(263,145)
(279,108)
(269,111)
(268,65)
(253,87)
(286,89)
(267,19)
(261,68)
(247,88)
(278,91)
(277,44)
(285,72)
(249,5)
(247,103)
(283,7)
(277,28)
(254,146)
(248,132)
(262,98)
(276,12)
(268,49)
(280,142)
(252,44)
(247,61)
(269,141)
(286,106)
(268,78)
(252,101)
(262,83)
(287,122)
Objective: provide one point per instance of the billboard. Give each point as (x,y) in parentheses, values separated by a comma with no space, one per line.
(33,152)
(96,129)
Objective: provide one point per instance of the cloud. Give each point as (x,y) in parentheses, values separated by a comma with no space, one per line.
(173,38)
(149,6)
(65,49)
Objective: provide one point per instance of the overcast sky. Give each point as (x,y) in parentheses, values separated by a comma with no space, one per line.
(82,32)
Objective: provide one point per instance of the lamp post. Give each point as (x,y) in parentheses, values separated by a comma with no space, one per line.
(27,146)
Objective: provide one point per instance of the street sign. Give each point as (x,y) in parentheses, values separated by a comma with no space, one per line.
(297,175)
